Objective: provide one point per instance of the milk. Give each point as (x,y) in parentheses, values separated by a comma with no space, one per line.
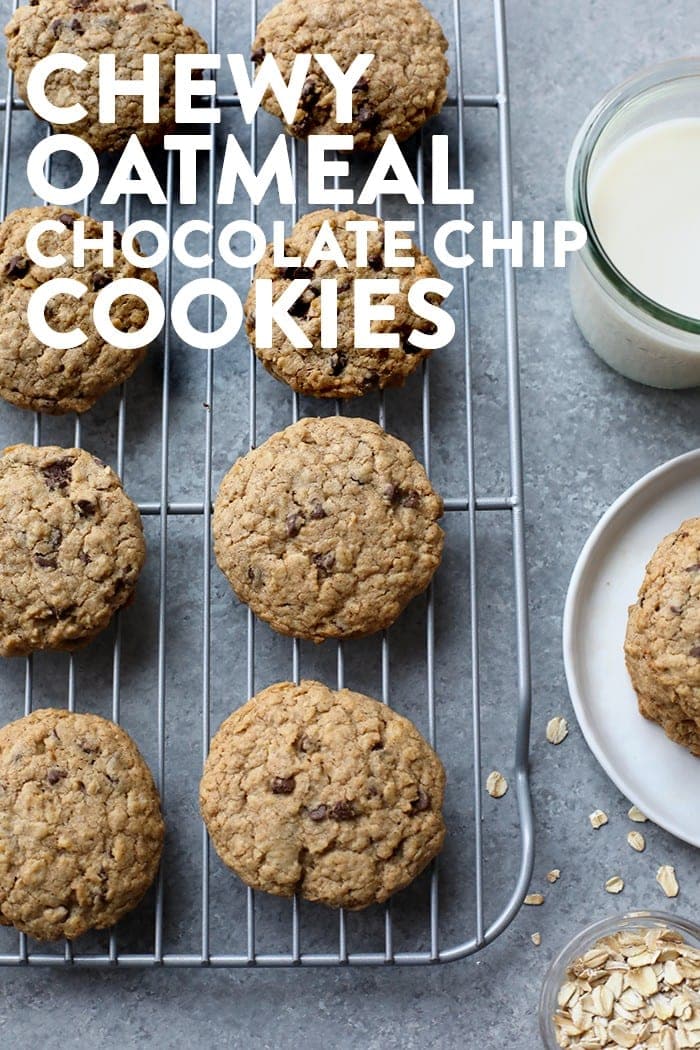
(633,181)
(644,201)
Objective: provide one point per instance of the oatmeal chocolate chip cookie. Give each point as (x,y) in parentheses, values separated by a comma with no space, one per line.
(347,371)
(328,529)
(71,548)
(662,647)
(87,28)
(81,831)
(328,794)
(39,377)
(404,85)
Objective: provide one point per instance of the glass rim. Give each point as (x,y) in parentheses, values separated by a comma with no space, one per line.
(627,93)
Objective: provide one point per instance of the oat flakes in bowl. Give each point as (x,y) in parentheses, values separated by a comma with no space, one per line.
(628,981)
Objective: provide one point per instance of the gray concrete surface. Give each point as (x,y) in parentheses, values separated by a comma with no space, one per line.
(588,434)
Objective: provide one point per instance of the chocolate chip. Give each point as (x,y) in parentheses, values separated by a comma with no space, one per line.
(85,558)
(676,609)
(422,803)
(87,748)
(396,496)
(410,499)
(317,511)
(693,568)
(379,746)
(100,279)
(56,27)
(46,561)
(301,127)
(343,810)
(255,576)
(17,266)
(57,474)
(318,812)
(76,26)
(299,309)
(310,91)
(282,785)
(86,508)
(695,651)
(257,55)
(370,381)
(54,775)
(338,362)
(295,522)
(375,262)
(324,563)
(361,85)
(138,9)
(298,273)
(367,118)
(117,238)
(67,219)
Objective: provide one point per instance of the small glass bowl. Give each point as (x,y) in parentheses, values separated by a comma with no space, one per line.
(583,941)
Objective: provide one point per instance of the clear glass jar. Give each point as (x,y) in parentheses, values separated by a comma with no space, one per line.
(583,941)
(632,333)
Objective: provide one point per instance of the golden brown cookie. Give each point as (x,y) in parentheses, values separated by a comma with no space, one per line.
(129,29)
(328,794)
(81,831)
(347,371)
(662,647)
(71,548)
(328,529)
(404,85)
(39,377)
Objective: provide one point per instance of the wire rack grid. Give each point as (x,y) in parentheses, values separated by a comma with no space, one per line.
(163,509)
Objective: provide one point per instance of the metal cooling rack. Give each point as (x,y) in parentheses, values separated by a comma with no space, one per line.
(483,929)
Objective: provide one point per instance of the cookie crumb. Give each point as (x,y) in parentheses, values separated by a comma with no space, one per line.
(536,939)
(598,818)
(553,875)
(534,899)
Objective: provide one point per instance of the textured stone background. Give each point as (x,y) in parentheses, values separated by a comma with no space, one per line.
(588,434)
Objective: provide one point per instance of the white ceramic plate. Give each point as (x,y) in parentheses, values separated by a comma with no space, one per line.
(660,777)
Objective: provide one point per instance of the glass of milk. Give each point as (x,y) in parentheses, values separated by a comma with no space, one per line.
(633,180)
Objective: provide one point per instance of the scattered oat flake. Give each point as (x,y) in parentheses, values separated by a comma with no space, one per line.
(496,784)
(536,939)
(666,878)
(534,898)
(598,818)
(615,884)
(553,875)
(557,730)
(637,841)
(636,815)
